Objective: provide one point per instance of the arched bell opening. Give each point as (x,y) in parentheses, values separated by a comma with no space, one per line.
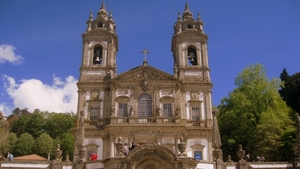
(192,55)
(97,58)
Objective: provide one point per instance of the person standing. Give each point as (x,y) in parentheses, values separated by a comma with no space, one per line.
(125,149)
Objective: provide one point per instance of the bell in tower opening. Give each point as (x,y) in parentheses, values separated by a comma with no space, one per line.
(192,55)
(97,59)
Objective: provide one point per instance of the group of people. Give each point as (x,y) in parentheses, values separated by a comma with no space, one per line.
(257,159)
(126,148)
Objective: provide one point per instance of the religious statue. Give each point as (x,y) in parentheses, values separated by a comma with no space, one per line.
(131,111)
(81,118)
(158,111)
(113,109)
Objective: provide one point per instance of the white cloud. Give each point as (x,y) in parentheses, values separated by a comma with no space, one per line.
(61,96)
(5,109)
(7,54)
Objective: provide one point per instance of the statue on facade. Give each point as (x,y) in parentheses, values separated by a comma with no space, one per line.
(81,118)
(131,112)
(112,111)
(158,114)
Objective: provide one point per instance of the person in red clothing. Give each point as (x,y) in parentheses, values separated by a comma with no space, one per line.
(93,156)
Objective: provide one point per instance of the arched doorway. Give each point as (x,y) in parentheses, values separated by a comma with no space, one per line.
(150,156)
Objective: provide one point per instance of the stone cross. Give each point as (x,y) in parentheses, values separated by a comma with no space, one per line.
(145,51)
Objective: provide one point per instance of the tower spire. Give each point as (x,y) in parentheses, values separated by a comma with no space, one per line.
(102,11)
(187,13)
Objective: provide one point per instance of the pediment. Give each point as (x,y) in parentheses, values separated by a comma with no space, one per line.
(141,73)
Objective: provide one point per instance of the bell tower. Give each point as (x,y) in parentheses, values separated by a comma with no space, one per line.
(100,46)
(189,47)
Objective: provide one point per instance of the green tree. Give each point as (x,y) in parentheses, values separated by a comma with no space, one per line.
(60,123)
(36,124)
(67,144)
(24,145)
(253,115)
(12,141)
(290,89)
(19,126)
(3,133)
(43,145)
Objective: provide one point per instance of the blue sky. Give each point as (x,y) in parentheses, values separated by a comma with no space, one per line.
(41,44)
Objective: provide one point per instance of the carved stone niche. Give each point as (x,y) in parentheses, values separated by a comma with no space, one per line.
(91,148)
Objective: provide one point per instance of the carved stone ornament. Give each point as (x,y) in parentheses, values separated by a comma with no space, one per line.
(145,85)
(194,94)
(94,94)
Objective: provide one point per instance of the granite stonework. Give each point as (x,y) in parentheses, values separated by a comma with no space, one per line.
(166,119)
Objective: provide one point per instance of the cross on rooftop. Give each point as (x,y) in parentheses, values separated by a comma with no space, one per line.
(145,51)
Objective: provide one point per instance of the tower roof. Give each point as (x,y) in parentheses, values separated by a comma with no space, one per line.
(187,13)
(102,12)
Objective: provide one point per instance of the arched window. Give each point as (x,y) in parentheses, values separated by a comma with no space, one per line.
(97,58)
(192,55)
(145,105)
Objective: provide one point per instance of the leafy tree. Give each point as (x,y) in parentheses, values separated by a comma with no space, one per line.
(12,140)
(254,115)
(67,144)
(4,134)
(24,145)
(36,124)
(19,126)
(44,145)
(290,90)
(60,123)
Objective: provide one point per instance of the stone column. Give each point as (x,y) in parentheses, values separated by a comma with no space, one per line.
(112,147)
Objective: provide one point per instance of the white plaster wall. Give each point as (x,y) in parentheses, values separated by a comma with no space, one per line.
(203,114)
(98,142)
(192,142)
(101,97)
(23,165)
(187,97)
(205,166)
(166,140)
(94,165)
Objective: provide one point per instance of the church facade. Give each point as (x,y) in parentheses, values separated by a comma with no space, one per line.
(167,117)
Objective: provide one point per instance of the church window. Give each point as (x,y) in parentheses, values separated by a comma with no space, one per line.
(192,55)
(122,110)
(100,25)
(145,105)
(97,58)
(198,155)
(94,111)
(195,113)
(167,110)
(190,26)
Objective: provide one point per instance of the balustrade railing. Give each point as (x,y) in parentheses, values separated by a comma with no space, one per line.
(143,120)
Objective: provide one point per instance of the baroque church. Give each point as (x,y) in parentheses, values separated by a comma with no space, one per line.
(165,120)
